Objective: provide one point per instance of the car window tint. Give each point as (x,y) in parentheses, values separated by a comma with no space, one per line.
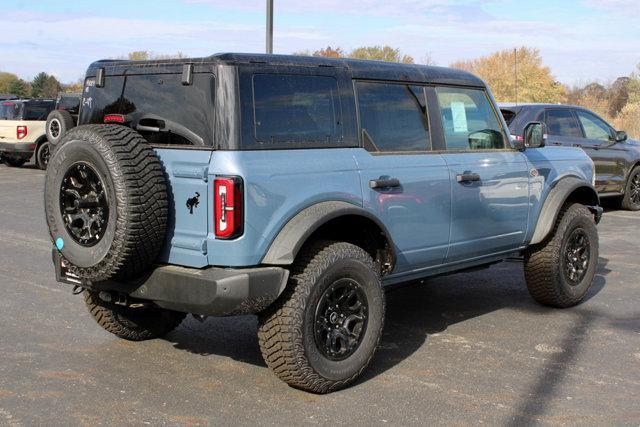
(183,114)
(594,128)
(393,117)
(9,110)
(296,109)
(37,110)
(561,122)
(468,119)
(99,102)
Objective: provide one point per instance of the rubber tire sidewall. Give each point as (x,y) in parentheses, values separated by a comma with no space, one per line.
(66,155)
(370,285)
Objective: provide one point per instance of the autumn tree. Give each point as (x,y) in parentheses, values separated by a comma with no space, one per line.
(502,69)
(10,83)
(145,55)
(381,53)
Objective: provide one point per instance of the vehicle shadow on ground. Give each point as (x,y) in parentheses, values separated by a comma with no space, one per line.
(414,311)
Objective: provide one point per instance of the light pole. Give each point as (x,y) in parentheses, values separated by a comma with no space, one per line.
(269,26)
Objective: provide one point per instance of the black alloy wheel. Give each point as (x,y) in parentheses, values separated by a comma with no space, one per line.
(341,319)
(83,204)
(576,257)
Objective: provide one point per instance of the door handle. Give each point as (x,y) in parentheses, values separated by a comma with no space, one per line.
(467,177)
(384,183)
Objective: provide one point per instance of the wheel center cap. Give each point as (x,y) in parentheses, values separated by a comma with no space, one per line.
(333,317)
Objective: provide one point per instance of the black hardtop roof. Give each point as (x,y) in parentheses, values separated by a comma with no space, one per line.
(359,68)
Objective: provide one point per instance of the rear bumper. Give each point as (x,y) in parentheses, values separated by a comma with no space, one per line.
(24,148)
(211,292)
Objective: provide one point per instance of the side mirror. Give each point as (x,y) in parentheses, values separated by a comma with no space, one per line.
(621,136)
(535,135)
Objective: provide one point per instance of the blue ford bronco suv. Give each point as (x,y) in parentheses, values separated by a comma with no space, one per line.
(295,189)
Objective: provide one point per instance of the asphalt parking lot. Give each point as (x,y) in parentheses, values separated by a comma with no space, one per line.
(467,349)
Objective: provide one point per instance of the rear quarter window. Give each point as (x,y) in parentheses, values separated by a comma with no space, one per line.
(292,111)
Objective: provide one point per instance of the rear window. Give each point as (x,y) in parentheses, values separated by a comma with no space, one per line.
(158,106)
(37,110)
(292,110)
(165,111)
(9,110)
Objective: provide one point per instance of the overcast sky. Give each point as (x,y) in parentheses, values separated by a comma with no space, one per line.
(581,40)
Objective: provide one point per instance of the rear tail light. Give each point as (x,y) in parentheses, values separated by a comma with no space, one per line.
(113,118)
(517,137)
(21,132)
(227,207)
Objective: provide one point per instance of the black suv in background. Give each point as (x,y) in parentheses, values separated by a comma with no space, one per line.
(616,157)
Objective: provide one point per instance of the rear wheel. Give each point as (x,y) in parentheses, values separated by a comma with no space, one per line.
(132,323)
(323,331)
(14,162)
(631,199)
(560,271)
(43,153)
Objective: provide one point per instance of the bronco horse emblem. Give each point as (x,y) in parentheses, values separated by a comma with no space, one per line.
(193,202)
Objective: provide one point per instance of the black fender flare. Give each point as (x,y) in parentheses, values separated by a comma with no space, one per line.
(557,197)
(297,230)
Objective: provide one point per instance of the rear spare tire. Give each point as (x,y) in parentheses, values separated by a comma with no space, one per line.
(59,122)
(106,202)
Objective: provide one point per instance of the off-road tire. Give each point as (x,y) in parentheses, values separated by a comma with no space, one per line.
(631,199)
(134,324)
(59,122)
(543,264)
(14,162)
(136,192)
(286,328)
(43,154)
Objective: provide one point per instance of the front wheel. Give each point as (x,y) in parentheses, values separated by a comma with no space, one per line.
(323,331)
(560,271)
(631,198)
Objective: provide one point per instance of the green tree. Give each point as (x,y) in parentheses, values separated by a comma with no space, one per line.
(381,53)
(10,83)
(18,87)
(516,75)
(38,84)
(51,88)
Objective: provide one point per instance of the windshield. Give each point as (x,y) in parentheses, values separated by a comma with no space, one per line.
(9,110)
(37,110)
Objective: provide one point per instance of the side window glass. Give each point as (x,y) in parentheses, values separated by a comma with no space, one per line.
(468,119)
(393,117)
(594,128)
(561,122)
(296,109)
